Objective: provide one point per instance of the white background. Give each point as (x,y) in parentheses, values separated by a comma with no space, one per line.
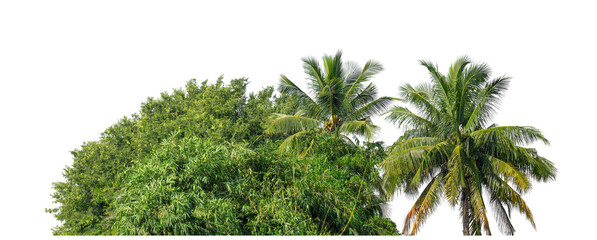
(69,70)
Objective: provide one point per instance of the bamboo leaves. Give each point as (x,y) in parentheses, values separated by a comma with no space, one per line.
(194,186)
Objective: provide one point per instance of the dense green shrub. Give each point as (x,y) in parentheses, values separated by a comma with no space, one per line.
(219,111)
(194,186)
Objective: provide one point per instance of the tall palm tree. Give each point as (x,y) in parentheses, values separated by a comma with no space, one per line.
(341,100)
(450,146)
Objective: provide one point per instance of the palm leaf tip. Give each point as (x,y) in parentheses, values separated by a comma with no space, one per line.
(425,205)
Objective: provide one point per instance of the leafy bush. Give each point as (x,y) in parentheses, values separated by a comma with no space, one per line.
(194,186)
(219,111)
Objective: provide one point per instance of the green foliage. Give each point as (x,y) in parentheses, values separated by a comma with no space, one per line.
(449,145)
(85,197)
(341,101)
(198,187)
(218,111)
(195,161)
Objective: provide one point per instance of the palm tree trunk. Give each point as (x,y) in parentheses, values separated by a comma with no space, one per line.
(465,208)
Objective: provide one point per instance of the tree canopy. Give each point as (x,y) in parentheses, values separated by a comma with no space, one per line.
(450,146)
(228,176)
(342,99)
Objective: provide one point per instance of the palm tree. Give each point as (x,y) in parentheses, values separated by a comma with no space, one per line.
(341,100)
(449,145)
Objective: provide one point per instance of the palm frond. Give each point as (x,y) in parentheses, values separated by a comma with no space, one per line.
(441,87)
(455,73)
(401,116)
(399,168)
(468,86)
(539,168)
(360,128)
(544,170)
(348,140)
(399,146)
(509,173)
(501,190)
(486,103)
(435,158)
(330,99)
(501,216)
(474,77)
(478,206)
(453,184)
(455,177)
(415,133)
(427,202)
(421,97)
(292,142)
(332,66)
(313,70)
(370,69)
(365,96)
(372,108)
(288,87)
(516,134)
(411,162)
(352,71)
(290,124)
(525,160)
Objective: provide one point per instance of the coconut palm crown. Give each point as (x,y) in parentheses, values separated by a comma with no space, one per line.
(341,100)
(450,148)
